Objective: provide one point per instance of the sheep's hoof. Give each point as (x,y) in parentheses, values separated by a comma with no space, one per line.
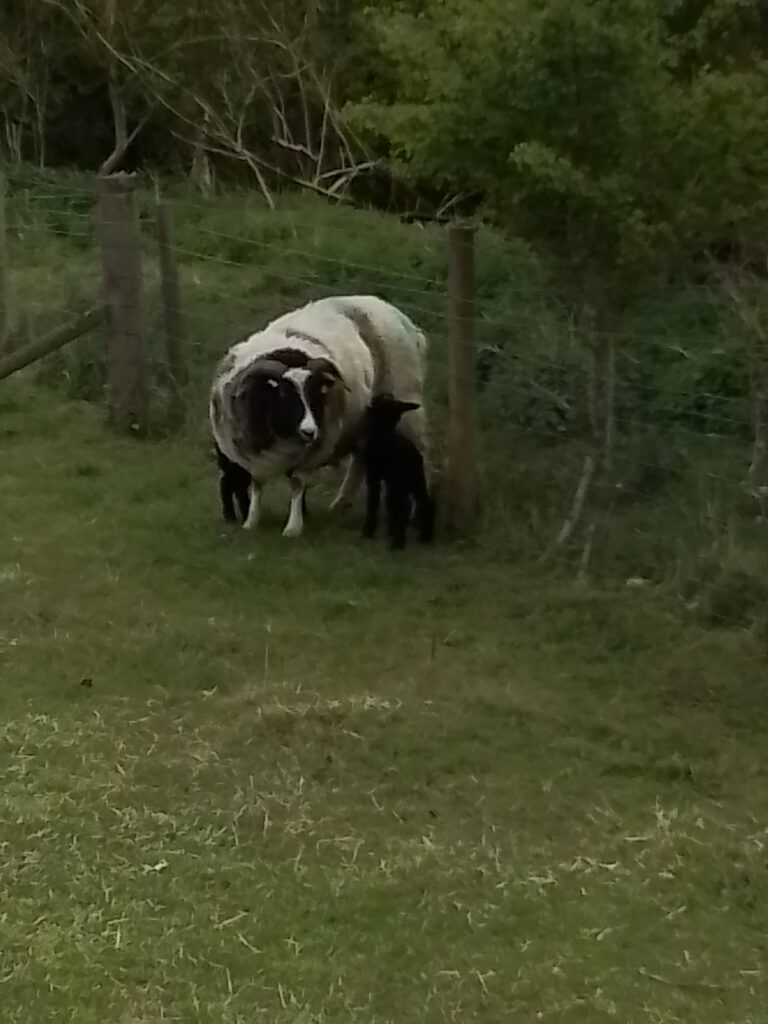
(292,531)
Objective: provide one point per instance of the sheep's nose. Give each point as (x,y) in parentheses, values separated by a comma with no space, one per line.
(307,434)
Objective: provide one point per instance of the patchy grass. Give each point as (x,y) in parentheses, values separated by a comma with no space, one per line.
(246,779)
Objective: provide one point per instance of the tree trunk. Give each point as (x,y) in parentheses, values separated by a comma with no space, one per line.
(115,158)
(200,172)
(592,488)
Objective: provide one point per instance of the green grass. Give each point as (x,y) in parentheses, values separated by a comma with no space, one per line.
(247,779)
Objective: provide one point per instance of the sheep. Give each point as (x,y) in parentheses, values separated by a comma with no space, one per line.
(393,459)
(235,483)
(290,398)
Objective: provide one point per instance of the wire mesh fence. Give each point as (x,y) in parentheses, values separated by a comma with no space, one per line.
(674,507)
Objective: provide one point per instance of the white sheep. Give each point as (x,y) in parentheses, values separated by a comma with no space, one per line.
(291,397)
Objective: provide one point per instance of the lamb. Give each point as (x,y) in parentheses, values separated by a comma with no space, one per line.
(234,484)
(290,398)
(393,459)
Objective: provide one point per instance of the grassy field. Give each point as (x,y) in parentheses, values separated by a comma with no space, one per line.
(244,779)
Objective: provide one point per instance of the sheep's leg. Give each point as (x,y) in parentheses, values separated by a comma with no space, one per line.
(373,499)
(295,525)
(243,500)
(254,509)
(350,485)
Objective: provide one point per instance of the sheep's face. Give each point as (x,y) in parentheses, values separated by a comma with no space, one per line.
(298,402)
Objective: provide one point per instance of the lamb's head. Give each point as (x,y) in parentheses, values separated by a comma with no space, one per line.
(384,413)
(288,399)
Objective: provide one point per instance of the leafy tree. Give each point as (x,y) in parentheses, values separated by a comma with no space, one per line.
(587,137)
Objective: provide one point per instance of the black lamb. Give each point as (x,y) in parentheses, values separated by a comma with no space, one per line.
(234,483)
(393,459)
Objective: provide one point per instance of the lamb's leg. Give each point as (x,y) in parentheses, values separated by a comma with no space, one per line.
(295,525)
(424,519)
(350,485)
(373,499)
(398,513)
(225,493)
(254,509)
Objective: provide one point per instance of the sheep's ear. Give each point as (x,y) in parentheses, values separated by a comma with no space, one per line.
(272,369)
(327,371)
(403,407)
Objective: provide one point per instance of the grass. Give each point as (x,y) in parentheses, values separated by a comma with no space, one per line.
(246,779)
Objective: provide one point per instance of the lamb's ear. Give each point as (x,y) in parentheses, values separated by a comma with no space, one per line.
(403,407)
(327,371)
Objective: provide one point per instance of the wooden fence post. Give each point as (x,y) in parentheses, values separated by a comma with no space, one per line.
(171,298)
(121,266)
(460,493)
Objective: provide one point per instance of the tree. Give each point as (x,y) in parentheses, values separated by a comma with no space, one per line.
(29,36)
(267,99)
(586,136)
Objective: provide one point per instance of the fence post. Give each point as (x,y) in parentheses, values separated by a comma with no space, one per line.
(5,297)
(460,494)
(121,267)
(171,298)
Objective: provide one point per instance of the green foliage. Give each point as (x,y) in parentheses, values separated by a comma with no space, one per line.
(619,139)
(576,124)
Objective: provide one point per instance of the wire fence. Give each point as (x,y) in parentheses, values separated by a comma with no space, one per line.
(674,503)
